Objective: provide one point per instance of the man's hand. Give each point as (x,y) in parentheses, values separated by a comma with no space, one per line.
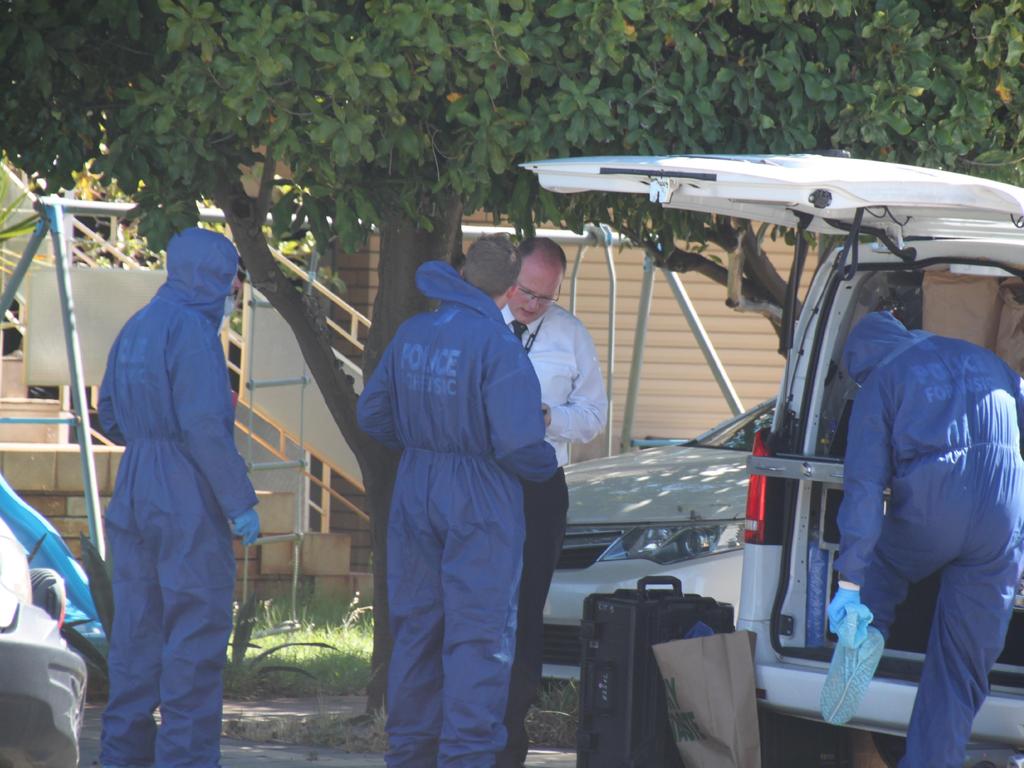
(247,525)
(547,414)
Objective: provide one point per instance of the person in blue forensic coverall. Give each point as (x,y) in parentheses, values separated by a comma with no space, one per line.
(937,420)
(455,391)
(181,486)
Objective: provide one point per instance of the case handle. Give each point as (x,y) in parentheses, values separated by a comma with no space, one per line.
(665,581)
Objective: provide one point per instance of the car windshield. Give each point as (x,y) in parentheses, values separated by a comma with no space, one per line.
(738,433)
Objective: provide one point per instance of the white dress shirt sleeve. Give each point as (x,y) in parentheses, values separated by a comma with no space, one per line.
(582,417)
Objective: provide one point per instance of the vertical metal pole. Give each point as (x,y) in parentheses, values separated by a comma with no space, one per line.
(245,387)
(79,401)
(573,287)
(573,281)
(613,290)
(302,497)
(704,342)
(637,363)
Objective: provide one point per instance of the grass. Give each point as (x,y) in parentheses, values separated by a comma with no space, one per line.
(342,669)
(304,670)
(552,720)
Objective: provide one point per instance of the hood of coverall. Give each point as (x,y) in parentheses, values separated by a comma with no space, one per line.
(873,339)
(438,280)
(201,266)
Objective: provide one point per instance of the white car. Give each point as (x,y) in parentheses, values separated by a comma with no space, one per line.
(674,510)
(42,682)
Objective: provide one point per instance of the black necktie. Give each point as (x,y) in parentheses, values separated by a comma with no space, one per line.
(518,329)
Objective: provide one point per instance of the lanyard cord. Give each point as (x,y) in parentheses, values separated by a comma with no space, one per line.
(532,337)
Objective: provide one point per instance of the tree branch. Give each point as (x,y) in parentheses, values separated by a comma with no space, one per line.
(760,269)
(690,261)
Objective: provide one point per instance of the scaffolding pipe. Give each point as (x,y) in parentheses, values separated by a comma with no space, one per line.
(613,290)
(637,363)
(561,236)
(704,341)
(216,216)
(52,210)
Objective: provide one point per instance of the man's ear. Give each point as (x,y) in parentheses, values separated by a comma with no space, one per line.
(502,298)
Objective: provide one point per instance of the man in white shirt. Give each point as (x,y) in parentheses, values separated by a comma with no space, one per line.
(575,411)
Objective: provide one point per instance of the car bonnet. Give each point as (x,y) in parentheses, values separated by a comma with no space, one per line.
(672,484)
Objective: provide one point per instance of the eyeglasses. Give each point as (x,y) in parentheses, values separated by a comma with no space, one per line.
(531,296)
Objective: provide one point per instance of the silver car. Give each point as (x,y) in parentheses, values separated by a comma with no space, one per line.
(673,510)
(42,682)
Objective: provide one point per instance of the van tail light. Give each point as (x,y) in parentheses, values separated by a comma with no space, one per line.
(754,531)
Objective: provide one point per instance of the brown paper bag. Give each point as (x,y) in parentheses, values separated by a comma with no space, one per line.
(709,692)
(1010,338)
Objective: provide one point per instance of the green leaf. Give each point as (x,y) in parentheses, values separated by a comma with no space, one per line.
(282,215)
(176,31)
(561,9)
(378,69)
(101,587)
(271,651)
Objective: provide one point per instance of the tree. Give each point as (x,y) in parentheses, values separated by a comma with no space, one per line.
(403,116)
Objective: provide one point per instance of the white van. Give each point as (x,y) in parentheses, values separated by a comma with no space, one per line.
(948,254)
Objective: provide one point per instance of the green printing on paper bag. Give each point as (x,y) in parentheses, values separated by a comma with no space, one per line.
(684,724)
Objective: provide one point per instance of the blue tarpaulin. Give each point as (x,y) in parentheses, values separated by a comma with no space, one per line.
(31,528)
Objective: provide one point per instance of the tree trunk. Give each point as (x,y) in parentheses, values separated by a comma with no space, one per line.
(403,248)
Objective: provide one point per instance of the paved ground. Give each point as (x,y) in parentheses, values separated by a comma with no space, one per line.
(242,754)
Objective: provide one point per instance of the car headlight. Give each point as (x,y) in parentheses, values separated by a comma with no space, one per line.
(666,544)
(14,569)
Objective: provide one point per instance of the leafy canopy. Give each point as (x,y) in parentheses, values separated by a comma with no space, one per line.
(373,108)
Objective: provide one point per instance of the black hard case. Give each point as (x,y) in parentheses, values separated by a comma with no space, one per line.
(623,721)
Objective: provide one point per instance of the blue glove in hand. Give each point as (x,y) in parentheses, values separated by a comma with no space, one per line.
(247,525)
(844,598)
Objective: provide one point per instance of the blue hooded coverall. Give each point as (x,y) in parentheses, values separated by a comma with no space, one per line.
(938,421)
(455,390)
(166,396)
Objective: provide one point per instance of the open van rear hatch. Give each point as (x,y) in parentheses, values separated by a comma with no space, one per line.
(822,193)
(939,215)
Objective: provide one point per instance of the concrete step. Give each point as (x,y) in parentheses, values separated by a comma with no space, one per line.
(25,407)
(321,554)
(276,510)
(346,587)
(12,377)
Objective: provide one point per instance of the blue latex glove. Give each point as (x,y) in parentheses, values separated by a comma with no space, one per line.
(247,525)
(844,599)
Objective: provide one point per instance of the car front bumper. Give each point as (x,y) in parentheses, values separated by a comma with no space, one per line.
(42,689)
(716,576)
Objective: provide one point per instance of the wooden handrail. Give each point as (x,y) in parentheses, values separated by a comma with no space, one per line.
(113,250)
(238,341)
(357,318)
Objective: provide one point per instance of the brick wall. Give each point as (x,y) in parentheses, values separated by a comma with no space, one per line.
(49,479)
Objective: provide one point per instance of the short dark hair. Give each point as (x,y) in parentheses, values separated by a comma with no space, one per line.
(492,264)
(543,246)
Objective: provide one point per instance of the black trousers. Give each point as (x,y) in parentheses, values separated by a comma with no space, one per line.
(544,506)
